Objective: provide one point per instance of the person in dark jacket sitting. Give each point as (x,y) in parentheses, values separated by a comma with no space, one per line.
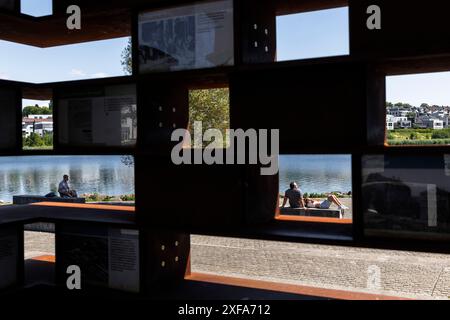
(64,189)
(294,195)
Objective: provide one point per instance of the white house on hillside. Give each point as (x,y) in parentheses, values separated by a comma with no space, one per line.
(434,123)
(393,122)
(40,116)
(39,124)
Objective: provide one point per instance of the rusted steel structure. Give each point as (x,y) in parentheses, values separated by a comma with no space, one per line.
(348,91)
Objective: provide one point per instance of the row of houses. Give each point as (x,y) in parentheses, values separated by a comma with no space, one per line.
(40,124)
(424,117)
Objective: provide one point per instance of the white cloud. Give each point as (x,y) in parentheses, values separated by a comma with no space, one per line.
(4,76)
(99,75)
(77,73)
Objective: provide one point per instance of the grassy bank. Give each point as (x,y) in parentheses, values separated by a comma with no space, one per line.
(418,137)
(38,148)
(95,197)
(418,142)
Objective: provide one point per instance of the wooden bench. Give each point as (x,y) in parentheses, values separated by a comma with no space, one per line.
(311,212)
(28,199)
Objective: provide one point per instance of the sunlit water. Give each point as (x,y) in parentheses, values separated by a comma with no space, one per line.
(39,175)
(316,173)
(107,175)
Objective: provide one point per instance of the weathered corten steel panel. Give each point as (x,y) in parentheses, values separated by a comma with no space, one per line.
(188,197)
(163,106)
(314,107)
(407,28)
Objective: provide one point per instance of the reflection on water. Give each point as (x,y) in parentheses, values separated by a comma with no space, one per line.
(316,173)
(38,175)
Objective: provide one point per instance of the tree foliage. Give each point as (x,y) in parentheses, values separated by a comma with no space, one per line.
(127,160)
(211,107)
(441,134)
(36,110)
(127,59)
(34,140)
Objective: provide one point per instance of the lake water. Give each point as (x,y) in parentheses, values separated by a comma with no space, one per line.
(108,175)
(41,174)
(316,173)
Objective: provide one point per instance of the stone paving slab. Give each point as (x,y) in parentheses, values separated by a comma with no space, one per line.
(38,244)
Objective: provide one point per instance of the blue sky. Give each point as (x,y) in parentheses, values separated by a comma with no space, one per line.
(80,61)
(299,36)
(431,88)
(36,8)
(313,34)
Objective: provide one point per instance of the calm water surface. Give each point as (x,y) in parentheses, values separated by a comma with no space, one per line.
(316,173)
(41,174)
(108,175)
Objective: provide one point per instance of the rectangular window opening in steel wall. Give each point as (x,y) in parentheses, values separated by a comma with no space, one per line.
(39,254)
(313,34)
(417,109)
(80,61)
(209,109)
(99,180)
(35,8)
(37,124)
(316,186)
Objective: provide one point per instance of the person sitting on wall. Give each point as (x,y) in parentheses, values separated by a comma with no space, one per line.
(295,196)
(64,189)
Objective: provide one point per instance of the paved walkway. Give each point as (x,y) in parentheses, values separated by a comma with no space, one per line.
(38,244)
(402,274)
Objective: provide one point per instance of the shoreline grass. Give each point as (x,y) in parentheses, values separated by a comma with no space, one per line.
(95,197)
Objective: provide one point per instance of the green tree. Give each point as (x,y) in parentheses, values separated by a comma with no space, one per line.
(411,115)
(36,110)
(48,139)
(211,107)
(127,160)
(34,140)
(127,58)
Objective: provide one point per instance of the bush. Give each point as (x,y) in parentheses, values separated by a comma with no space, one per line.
(93,197)
(48,139)
(108,198)
(419,142)
(127,197)
(440,135)
(35,140)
